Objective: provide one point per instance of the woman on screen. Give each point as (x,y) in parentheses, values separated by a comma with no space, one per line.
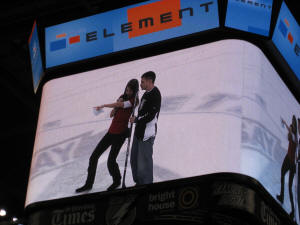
(289,163)
(115,137)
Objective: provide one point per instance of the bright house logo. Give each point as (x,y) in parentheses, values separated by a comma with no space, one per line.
(128,27)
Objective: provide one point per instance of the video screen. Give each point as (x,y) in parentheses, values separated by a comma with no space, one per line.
(222,108)
(250,16)
(286,38)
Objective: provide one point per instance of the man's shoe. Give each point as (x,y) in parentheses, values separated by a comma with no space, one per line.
(292,214)
(114,185)
(85,187)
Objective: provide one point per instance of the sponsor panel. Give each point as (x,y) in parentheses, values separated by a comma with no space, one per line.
(223,199)
(286,38)
(128,27)
(252,15)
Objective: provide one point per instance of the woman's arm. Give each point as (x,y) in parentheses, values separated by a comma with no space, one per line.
(111,105)
(115,105)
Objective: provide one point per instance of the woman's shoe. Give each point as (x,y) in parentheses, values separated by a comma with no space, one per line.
(280,198)
(85,187)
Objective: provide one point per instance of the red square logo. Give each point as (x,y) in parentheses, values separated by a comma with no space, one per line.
(160,15)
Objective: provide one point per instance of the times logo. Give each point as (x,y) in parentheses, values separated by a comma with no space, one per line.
(76,215)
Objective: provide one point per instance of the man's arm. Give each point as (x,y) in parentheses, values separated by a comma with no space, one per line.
(287,126)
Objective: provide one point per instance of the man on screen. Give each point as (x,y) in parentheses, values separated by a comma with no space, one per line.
(298,162)
(145,131)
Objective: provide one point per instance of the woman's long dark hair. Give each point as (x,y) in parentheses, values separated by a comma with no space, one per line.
(133,84)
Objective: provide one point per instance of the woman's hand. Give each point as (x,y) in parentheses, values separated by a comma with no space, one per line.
(99,107)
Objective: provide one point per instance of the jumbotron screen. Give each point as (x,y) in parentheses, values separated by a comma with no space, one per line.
(223,108)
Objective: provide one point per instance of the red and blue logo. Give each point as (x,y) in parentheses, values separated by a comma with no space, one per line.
(284,27)
(61,41)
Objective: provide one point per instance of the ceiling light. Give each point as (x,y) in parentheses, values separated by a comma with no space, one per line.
(2,212)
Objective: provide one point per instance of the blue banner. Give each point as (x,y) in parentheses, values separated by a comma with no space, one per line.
(128,27)
(250,16)
(35,57)
(286,38)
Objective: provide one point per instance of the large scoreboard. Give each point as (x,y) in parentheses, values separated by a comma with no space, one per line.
(225,108)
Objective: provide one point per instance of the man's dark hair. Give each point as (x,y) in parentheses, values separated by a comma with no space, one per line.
(150,75)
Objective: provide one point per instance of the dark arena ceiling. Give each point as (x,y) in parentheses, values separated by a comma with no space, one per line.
(19,104)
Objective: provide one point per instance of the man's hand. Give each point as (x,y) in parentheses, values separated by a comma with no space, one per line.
(132,119)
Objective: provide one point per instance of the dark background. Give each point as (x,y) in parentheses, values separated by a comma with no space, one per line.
(19,103)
